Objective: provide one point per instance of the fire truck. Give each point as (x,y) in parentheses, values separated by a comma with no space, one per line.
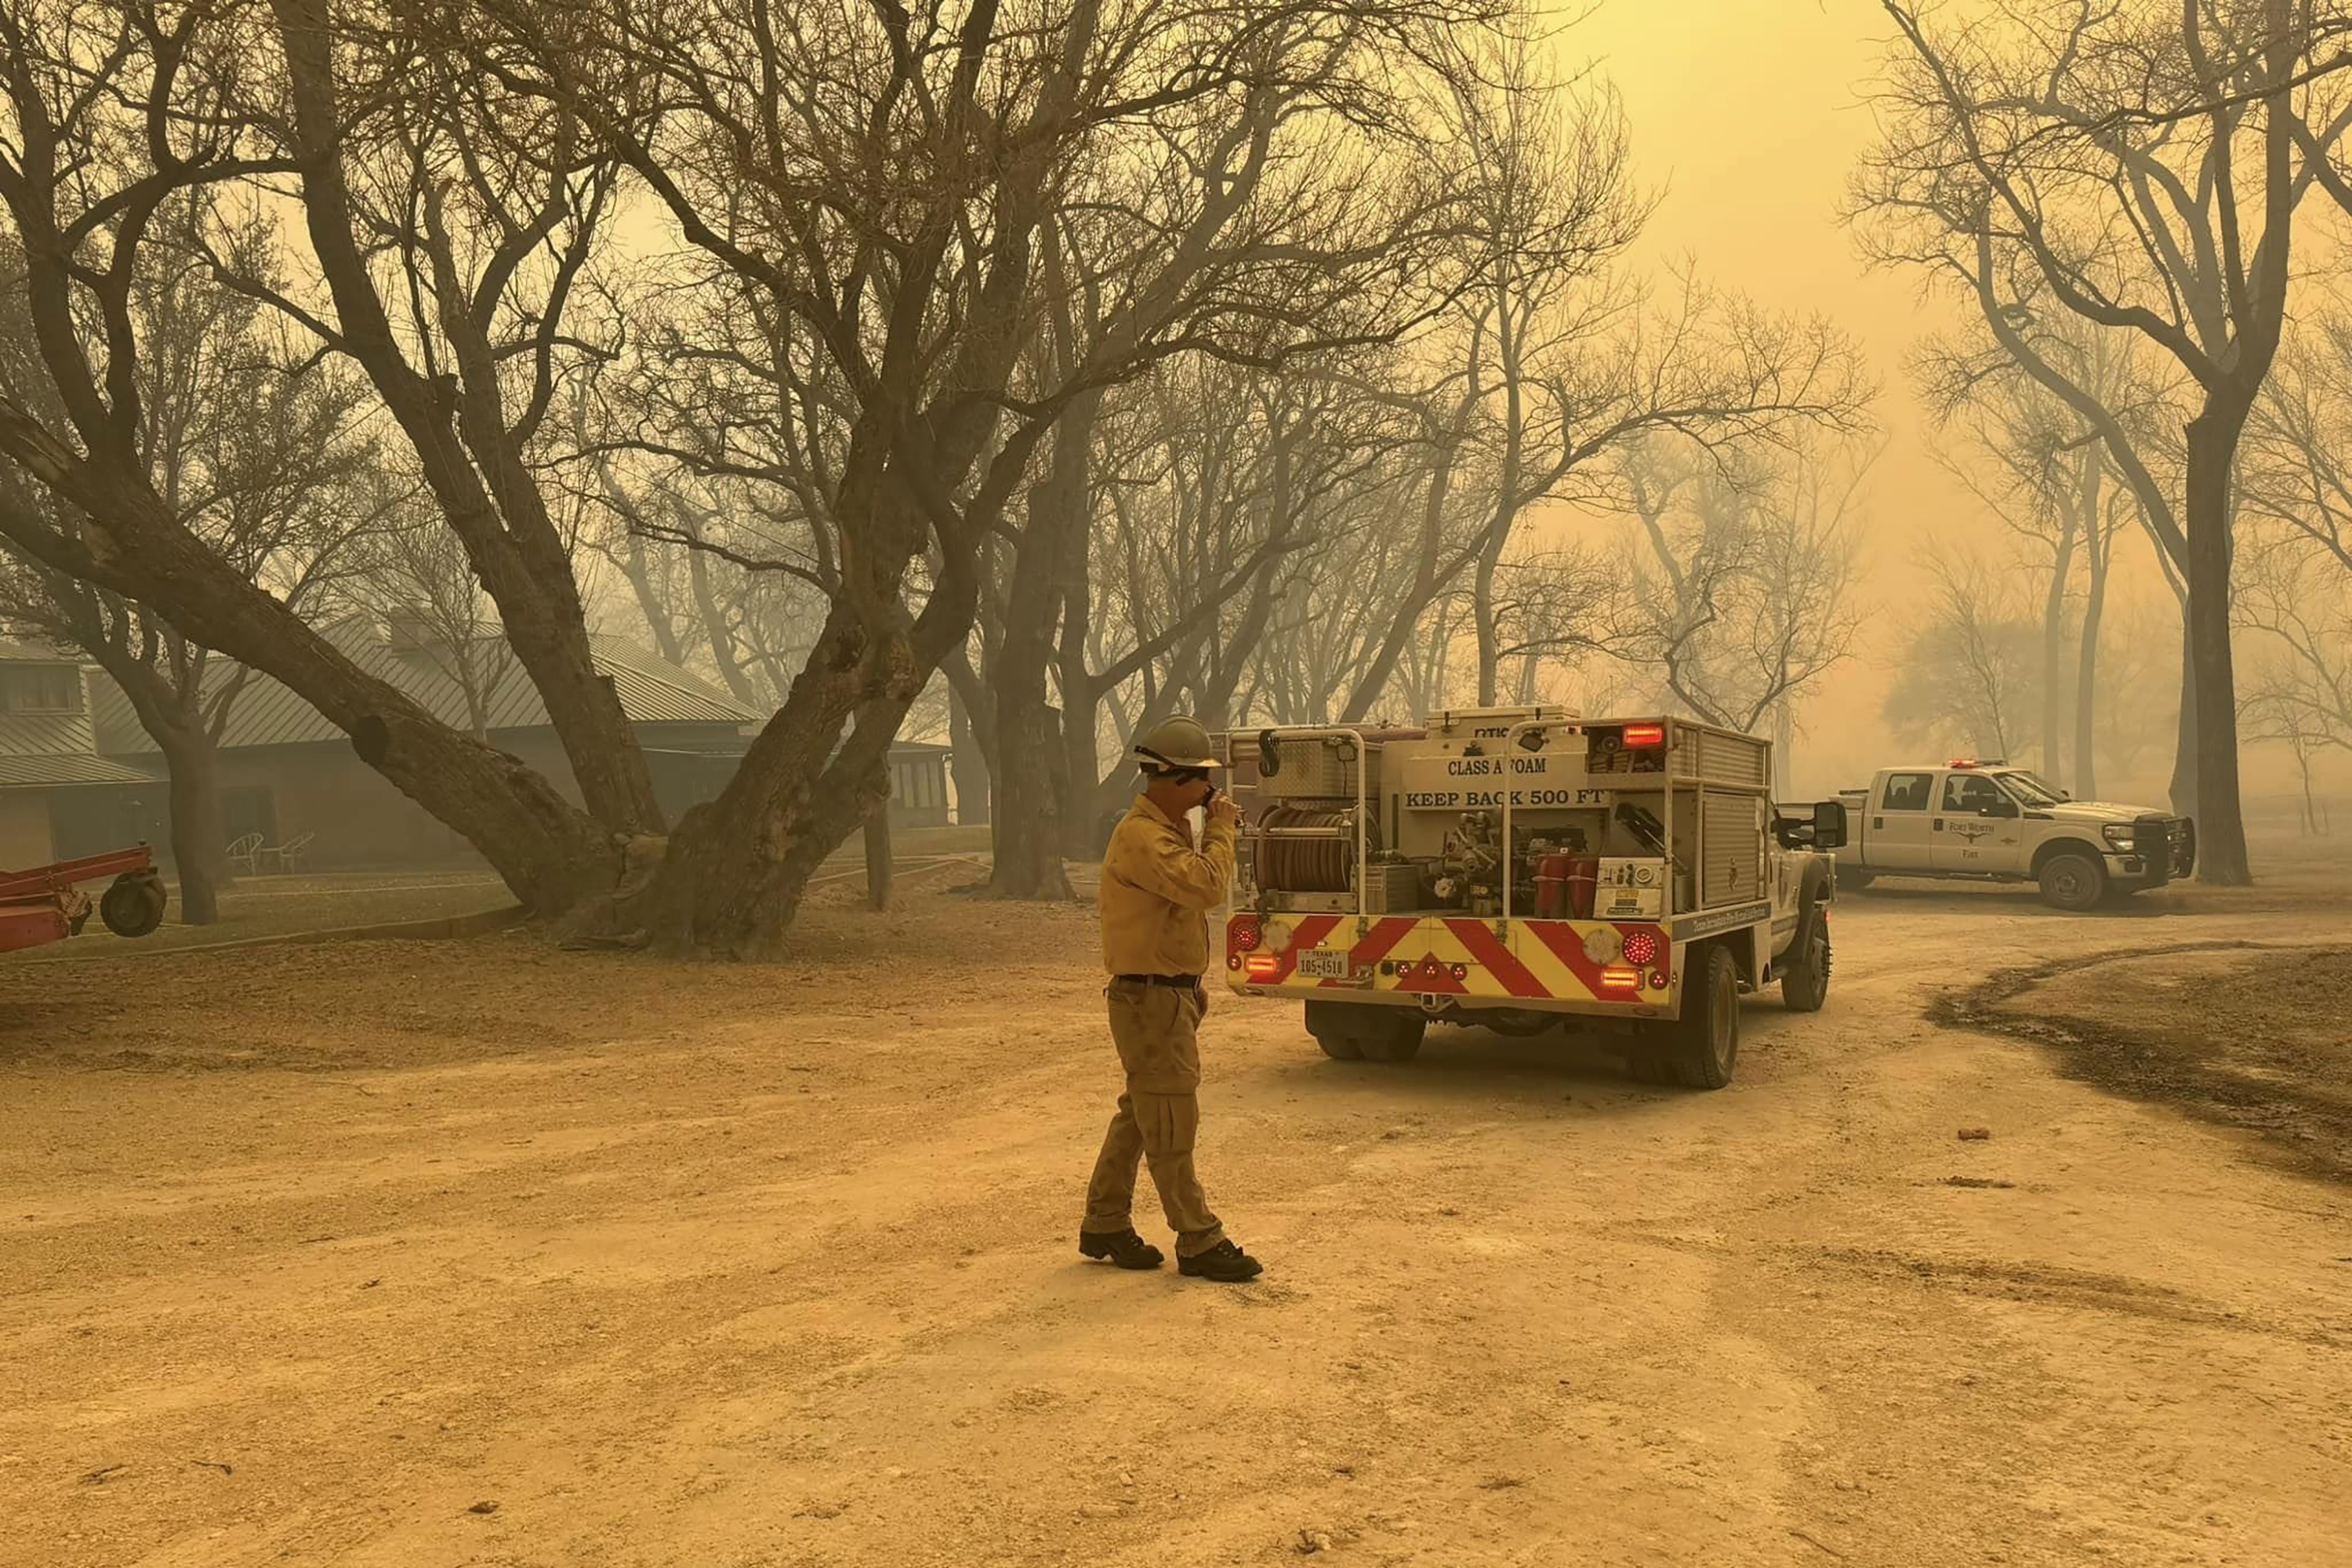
(1524,868)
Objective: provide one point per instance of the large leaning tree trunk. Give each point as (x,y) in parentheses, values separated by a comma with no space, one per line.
(737,869)
(547,851)
(81,224)
(529,188)
(882,186)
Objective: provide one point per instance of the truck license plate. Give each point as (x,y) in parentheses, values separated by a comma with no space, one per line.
(1324,963)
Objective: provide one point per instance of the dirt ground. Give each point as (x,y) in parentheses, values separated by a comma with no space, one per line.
(271,905)
(484,1253)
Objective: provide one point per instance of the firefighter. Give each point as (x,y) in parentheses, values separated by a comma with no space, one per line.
(1157,892)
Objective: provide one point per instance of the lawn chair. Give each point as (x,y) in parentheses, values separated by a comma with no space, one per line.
(293,855)
(245,853)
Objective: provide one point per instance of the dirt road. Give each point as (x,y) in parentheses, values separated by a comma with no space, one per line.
(492,1254)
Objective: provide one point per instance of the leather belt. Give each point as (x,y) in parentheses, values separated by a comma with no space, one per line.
(1173,982)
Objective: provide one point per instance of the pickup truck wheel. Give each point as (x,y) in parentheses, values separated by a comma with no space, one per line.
(2071,880)
(1707,1037)
(1805,981)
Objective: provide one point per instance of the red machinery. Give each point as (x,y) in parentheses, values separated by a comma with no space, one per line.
(45,904)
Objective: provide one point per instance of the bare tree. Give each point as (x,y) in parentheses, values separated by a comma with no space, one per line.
(2047,474)
(112,113)
(454,225)
(415,577)
(1224,487)
(1734,596)
(2296,608)
(1714,371)
(1966,676)
(890,185)
(2296,473)
(2033,142)
(257,453)
(1551,175)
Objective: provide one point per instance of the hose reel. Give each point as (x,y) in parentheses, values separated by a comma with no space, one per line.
(1321,859)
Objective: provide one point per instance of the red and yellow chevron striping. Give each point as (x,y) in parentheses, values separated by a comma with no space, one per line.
(1461,956)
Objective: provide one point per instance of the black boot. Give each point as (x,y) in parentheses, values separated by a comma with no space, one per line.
(1224,1263)
(1123,1248)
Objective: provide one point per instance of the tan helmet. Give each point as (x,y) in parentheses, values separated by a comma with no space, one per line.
(1176,742)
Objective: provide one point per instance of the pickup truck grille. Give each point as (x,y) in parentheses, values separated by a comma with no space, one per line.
(2170,841)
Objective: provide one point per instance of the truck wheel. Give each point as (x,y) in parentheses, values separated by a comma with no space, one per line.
(1331,1029)
(1394,1037)
(1805,982)
(1707,1037)
(1649,1066)
(2071,880)
(133,906)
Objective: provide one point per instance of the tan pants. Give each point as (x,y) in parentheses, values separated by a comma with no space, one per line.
(1154,1027)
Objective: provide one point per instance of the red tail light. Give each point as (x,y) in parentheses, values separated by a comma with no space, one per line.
(1621,979)
(1243,934)
(1646,734)
(1266,967)
(1640,946)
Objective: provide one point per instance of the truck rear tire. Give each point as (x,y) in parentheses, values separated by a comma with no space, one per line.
(2073,881)
(1805,981)
(1649,1066)
(1350,1034)
(1707,1037)
(1332,1028)
(1394,1037)
(1340,1048)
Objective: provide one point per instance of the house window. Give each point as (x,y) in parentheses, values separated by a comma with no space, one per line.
(40,688)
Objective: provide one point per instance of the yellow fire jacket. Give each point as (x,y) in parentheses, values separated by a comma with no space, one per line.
(1157,891)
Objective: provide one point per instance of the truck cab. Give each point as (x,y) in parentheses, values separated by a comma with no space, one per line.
(1987,821)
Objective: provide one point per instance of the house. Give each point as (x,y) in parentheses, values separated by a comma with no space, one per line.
(286,771)
(919,784)
(59,798)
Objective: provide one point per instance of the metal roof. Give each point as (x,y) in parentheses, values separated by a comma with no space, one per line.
(268,713)
(35,653)
(47,734)
(48,771)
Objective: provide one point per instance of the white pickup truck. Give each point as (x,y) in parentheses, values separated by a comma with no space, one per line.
(1986,821)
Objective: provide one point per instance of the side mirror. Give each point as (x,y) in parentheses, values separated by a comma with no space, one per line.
(1829,824)
(2000,808)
